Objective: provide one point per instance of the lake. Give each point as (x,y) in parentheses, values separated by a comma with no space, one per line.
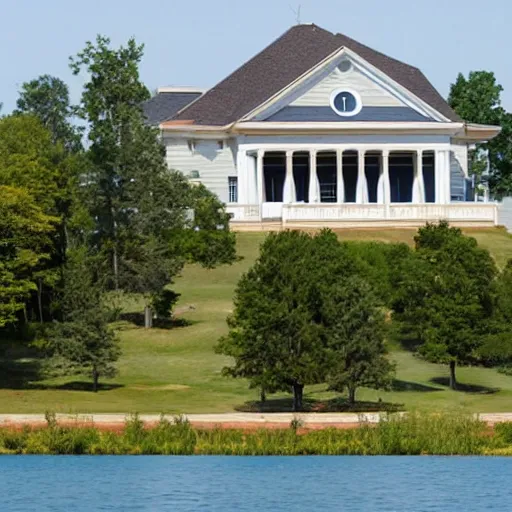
(243,484)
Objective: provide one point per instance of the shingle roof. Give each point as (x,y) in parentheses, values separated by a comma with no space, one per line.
(165,105)
(297,51)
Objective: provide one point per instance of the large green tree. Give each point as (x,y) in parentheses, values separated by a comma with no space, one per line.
(277,332)
(47,98)
(496,350)
(477,99)
(24,234)
(356,327)
(111,106)
(142,210)
(29,159)
(445,296)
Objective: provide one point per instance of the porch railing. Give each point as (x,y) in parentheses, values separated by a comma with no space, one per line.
(462,212)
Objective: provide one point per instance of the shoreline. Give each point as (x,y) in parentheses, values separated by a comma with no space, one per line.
(115,422)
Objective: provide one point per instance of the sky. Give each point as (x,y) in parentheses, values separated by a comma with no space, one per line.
(199,42)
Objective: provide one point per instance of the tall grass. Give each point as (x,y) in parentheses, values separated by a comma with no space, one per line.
(414,434)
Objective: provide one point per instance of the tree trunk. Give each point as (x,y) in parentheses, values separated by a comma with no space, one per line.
(351,395)
(453,379)
(40,299)
(115,267)
(148,317)
(297,397)
(95,378)
(263,395)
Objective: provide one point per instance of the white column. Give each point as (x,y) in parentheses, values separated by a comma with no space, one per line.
(314,185)
(418,187)
(362,186)
(260,178)
(289,194)
(340,183)
(243,177)
(442,176)
(448,176)
(380,184)
(386,188)
(252,179)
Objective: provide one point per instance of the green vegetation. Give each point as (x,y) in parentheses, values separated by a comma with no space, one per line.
(304,314)
(175,370)
(414,434)
(444,299)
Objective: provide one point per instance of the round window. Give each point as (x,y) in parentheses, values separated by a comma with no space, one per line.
(345,66)
(346,102)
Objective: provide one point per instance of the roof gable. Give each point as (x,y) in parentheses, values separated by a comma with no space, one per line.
(293,55)
(372,94)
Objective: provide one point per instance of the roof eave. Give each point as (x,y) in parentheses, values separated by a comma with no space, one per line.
(480,132)
(451,129)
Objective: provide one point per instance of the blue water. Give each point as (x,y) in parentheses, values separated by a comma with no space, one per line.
(242,484)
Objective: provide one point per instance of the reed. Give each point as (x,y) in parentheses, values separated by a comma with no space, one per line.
(413,434)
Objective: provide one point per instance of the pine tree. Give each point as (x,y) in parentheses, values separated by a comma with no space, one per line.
(355,338)
(84,339)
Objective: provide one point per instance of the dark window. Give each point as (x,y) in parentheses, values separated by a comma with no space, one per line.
(401,177)
(233,189)
(350,175)
(301,176)
(274,171)
(429,178)
(345,102)
(326,172)
(372,172)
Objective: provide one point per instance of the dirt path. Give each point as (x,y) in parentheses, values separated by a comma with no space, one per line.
(245,421)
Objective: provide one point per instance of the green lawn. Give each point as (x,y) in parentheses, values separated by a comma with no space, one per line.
(176,370)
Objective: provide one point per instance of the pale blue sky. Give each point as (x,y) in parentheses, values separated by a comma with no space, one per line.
(198,42)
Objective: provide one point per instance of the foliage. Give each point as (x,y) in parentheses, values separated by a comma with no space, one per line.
(380,264)
(445,296)
(24,235)
(84,339)
(413,434)
(164,302)
(142,209)
(496,350)
(211,242)
(477,99)
(29,160)
(47,98)
(355,338)
(279,330)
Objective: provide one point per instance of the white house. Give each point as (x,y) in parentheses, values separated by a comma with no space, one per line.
(320,130)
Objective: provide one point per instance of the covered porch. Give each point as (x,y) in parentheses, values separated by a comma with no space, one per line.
(351,185)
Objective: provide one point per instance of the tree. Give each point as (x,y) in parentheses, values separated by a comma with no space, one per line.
(445,296)
(47,98)
(210,242)
(276,330)
(477,99)
(84,339)
(355,338)
(24,233)
(111,105)
(496,349)
(141,208)
(30,160)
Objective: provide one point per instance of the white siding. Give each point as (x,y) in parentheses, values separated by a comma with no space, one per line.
(372,94)
(505,213)
(213,164)
(458,171)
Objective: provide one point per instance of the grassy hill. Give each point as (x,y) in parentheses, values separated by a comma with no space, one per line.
(175,370)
